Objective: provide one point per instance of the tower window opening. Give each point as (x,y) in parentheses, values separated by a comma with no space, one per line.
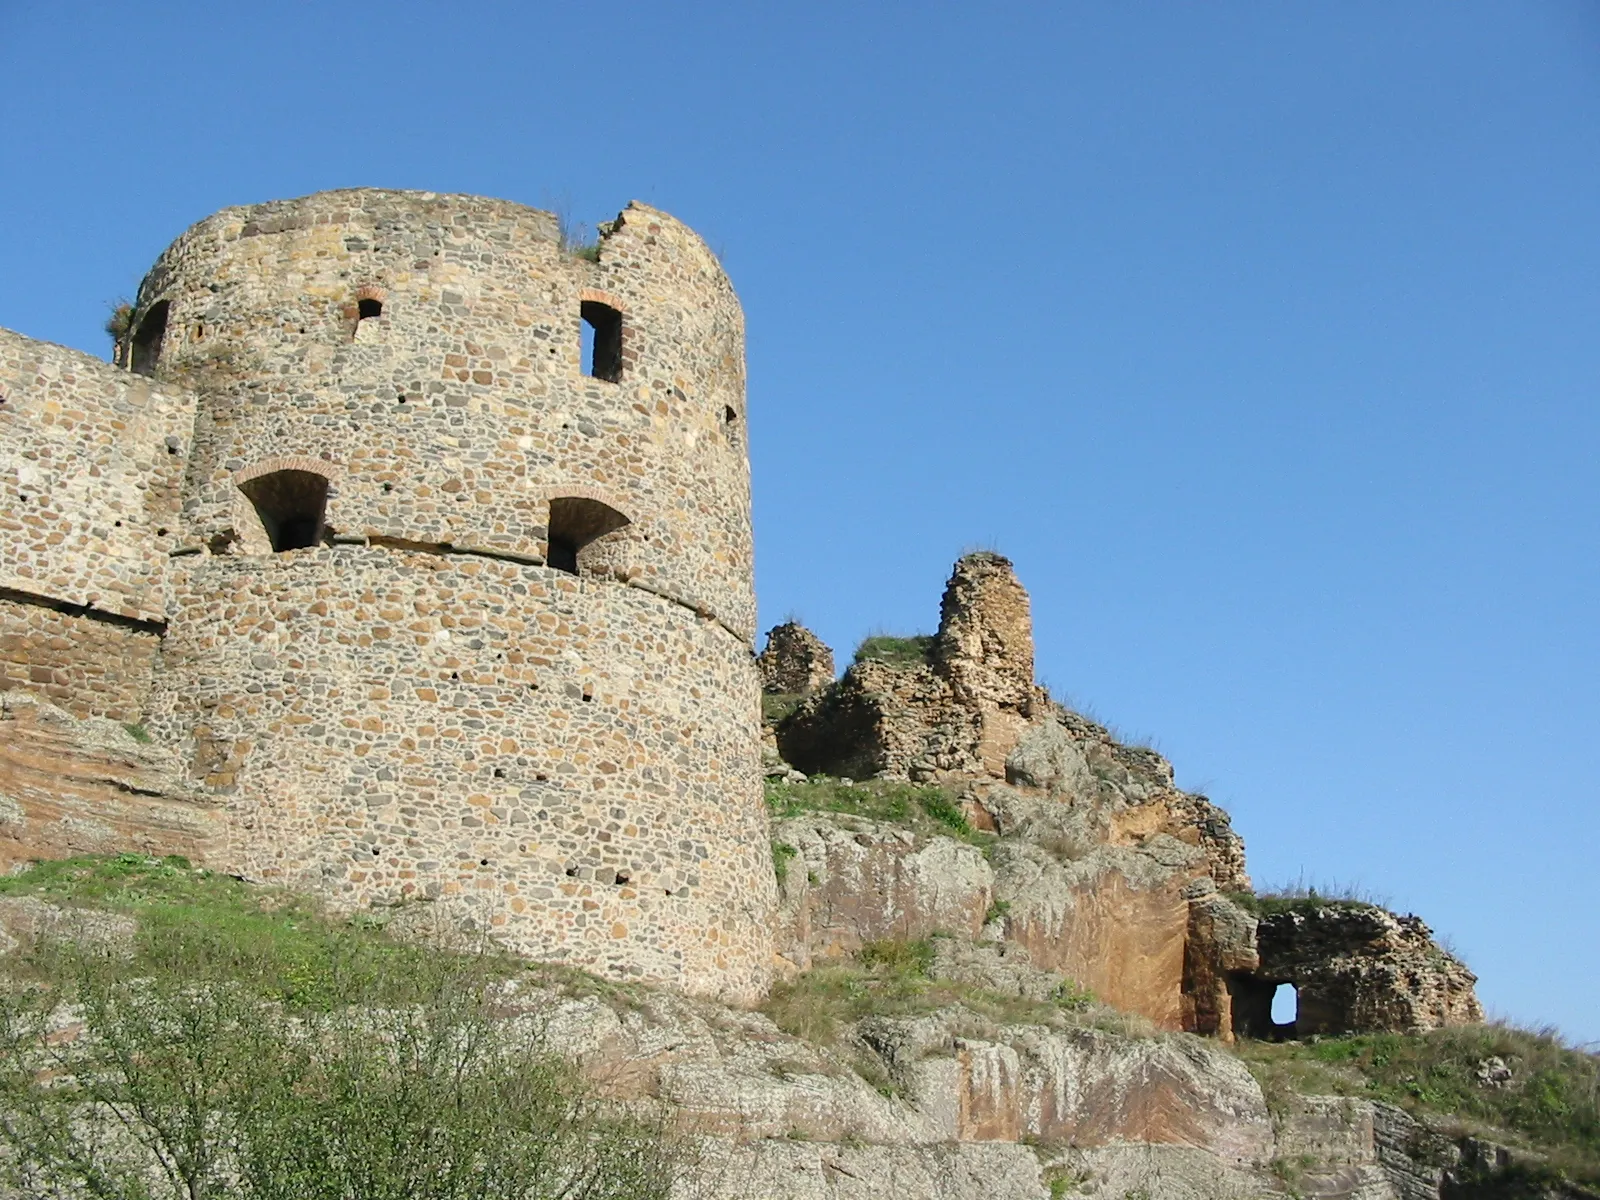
(602,341)
(147,339)
(368,308)
(576,521)
(291,505)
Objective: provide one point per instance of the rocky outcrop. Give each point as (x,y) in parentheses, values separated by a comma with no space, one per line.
(795,662)
(853,881)
(71,785)
(1356,968)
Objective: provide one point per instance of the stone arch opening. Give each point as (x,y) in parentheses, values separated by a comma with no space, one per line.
(291,505)
(369,308)
(575,522)
(147,339)
(602,340)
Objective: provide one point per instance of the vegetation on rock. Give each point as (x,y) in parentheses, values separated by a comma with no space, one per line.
(897,651)
(891,978)
(925,808)
(1497,1076)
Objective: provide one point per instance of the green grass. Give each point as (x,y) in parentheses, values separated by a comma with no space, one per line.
(782,852)
(137,732)
(926,808)
(775,706)
(894,978)
(1269,904)
(897,651)
(1552,1099)
(205,925)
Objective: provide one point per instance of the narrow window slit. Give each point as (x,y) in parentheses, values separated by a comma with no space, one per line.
(602,340)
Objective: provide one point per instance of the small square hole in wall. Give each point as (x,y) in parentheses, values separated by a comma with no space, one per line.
(601,341)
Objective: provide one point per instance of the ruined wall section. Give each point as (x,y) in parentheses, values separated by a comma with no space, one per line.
(453,416)
(567,762)
(91,459)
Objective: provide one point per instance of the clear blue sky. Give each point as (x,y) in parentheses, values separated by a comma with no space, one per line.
(1265,338)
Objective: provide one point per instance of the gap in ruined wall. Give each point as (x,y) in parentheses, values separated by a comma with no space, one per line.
(147,340)
(601,340)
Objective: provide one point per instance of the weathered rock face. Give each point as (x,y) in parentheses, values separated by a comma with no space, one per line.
(1355,969)
(72,785)
(853,881)
(795,662)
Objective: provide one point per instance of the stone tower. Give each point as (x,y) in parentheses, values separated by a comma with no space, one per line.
(459,600)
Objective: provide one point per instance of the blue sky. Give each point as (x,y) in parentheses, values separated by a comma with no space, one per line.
(1262,337)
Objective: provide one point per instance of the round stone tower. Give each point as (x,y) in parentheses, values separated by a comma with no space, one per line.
(463,610)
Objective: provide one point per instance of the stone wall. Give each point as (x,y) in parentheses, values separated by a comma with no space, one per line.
(572,763)
(1356,968)
(82,661)
(432,604)
(91,458)
(795,661)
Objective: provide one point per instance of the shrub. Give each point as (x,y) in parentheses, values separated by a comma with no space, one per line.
(775,706)
(334,1064)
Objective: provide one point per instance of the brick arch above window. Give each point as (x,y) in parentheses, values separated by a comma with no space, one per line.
(596,296)
(288,462)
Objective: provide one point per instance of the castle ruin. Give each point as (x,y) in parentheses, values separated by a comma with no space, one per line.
(424,542)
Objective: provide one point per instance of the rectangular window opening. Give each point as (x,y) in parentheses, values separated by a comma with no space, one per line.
(601,341)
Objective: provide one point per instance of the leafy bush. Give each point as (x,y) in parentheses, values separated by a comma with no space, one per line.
(897,651)
(314,1061)
(775,706)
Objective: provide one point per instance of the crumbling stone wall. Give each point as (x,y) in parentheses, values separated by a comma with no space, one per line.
(91,459)
(80,660)
(1356,968)
(795,662)
(962,711)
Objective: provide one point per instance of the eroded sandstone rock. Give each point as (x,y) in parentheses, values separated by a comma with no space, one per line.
(87,785)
